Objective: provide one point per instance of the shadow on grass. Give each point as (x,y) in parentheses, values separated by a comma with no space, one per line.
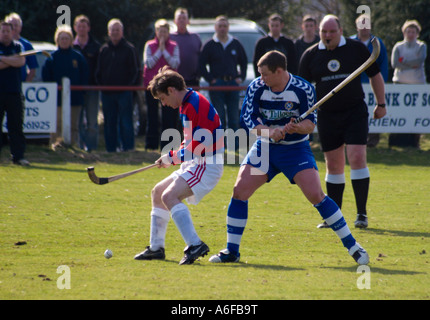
(201,262)
(258,266)
(62,169)
(379,270)
(398,233)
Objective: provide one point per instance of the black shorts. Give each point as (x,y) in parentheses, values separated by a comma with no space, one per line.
(346,127)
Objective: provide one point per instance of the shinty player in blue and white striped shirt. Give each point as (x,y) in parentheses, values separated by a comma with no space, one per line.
(271,104)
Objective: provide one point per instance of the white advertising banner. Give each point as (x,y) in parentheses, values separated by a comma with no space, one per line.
(408,109)
(40,115)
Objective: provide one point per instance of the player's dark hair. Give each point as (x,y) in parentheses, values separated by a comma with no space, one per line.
(276,17)
(6,24)
(82,18)
(273,60)
(164,79)
(309,18)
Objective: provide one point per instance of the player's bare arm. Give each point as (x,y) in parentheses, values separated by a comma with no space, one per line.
(377,84)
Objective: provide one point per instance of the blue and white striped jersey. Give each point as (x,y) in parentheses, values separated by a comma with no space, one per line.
(273,109)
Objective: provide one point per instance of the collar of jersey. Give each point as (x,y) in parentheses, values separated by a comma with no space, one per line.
(224,44)
(342,42)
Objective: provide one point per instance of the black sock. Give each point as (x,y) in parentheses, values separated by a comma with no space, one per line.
(335,191)
(361,191)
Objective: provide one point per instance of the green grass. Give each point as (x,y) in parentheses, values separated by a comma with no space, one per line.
(67,220)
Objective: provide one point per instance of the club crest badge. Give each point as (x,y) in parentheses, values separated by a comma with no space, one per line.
(289,106)
(333,65)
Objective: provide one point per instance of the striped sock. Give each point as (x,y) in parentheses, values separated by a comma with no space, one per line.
(237,216)
(331,213)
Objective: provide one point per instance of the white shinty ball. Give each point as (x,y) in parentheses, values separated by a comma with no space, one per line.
(108,254)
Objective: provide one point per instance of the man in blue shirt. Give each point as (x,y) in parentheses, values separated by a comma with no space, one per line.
(271,104)
(11,101)
(365,36)
(28,71)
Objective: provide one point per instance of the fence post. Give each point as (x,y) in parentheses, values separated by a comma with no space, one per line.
(66,112)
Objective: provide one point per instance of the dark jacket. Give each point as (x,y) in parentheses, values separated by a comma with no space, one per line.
(10,78)
(284,45)
(118,65)
(67,63)
(223,62)
(91,53)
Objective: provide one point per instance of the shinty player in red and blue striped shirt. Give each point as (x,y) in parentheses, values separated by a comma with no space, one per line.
(201,166)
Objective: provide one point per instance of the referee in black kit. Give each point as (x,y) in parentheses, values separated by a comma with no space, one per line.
(343,120)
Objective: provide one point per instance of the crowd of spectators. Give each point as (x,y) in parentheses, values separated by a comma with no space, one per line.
(221,61)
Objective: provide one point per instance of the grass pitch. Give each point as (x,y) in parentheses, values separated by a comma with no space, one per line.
(55,226)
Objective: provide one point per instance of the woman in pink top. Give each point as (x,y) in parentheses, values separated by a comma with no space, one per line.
(159,52)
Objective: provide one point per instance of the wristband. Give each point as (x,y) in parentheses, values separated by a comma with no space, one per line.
(382,105)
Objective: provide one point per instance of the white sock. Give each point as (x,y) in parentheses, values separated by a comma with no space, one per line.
(182,218)
(159,220)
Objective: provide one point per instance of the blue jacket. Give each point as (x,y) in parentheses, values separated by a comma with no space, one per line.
(382,60)
(67,63)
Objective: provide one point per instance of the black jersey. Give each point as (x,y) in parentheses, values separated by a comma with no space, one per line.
(329,68)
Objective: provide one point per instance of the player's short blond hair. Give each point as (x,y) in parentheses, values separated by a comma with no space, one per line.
(273,60)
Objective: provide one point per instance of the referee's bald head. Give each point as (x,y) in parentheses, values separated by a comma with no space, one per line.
(273,60)
(328,18)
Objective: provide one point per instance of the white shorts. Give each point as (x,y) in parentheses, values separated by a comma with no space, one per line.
(202,176)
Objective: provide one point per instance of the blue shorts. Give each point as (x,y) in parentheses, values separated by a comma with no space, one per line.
(272,158)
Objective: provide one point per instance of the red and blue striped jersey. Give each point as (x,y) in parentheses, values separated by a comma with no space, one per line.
(203,131)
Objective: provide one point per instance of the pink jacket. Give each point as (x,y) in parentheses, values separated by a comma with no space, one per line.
(154,59)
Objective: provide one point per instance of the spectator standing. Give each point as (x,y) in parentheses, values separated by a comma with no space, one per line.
(189,48)
(159,52)
(306,40)
(88,119)
(407,59)
(309,36)
(365,36)
(66,62)
(276,41)
(343,120)
(28,71)
(117,65)
(224,53)
(11,99)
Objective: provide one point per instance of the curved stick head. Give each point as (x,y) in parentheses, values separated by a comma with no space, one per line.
(94,178)
(376,48)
